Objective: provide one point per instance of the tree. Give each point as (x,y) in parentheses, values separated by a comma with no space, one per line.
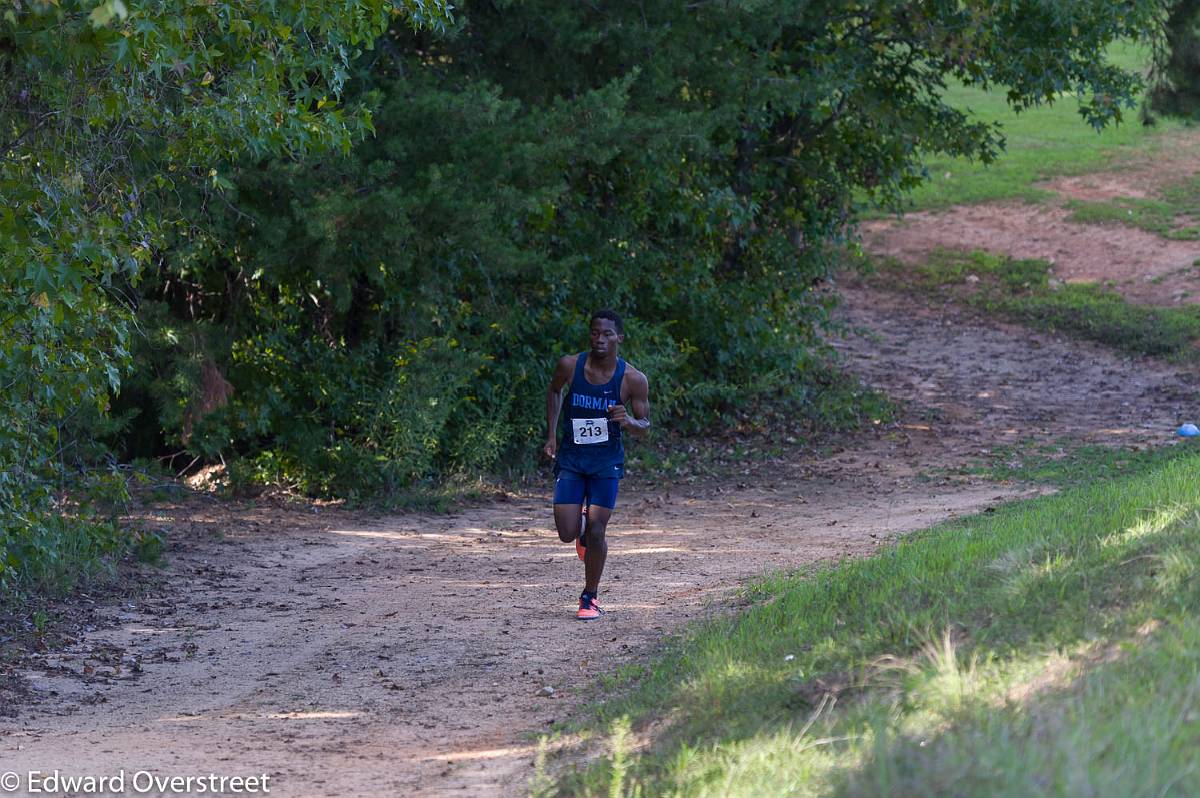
(387,316)
(1175,70)
(107,111)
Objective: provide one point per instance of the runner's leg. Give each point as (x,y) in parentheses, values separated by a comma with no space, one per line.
(581,541)
(602,495)
(597,547)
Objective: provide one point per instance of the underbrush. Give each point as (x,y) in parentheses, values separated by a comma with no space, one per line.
(1050,646)
(67,541)
(1023,291)
(832,403)
(368,423)
(826,402)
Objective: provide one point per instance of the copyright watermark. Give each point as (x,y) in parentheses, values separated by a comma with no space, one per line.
(141,782)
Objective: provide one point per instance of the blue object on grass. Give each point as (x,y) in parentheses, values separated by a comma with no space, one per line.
(1189,430)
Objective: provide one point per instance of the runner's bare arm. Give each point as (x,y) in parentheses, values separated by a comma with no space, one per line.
(639,402)
(554,397)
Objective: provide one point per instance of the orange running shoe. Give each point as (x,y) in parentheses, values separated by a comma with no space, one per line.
(580,545)
(589,610)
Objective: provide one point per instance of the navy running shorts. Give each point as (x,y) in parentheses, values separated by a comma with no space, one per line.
(573,488)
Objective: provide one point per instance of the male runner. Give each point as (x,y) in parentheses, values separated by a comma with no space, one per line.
(590,460)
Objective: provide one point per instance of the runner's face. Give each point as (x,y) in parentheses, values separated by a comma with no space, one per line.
(605,337)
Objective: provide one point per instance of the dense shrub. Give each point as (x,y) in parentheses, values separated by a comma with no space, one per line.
(393,314)
(107,109)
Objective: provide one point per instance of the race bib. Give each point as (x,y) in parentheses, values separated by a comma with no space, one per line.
(590,430)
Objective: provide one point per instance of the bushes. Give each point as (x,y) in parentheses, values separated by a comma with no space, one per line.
(393,315)
(107,110)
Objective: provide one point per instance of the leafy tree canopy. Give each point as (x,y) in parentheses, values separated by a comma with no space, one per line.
(107,111)
(1175,89)
(391,315)
(338,242)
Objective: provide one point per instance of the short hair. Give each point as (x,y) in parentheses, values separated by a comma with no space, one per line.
(612,316)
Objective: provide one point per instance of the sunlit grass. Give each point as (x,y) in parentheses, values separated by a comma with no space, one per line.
(1041,143)
(1051,647)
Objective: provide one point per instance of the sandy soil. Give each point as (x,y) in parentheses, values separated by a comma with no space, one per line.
(1142,266)
(982,383)
(1176,156)
(403,655)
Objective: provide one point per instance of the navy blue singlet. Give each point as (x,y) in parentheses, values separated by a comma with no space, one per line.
(585,424)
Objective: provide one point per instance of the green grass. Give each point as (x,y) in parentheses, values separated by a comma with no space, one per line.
(1065,464)
(1022,290)
(1154,216)
(62,553)
(1051,647)
(1042,143)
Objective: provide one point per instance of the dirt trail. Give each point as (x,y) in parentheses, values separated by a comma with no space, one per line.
(982,382)
(403,655)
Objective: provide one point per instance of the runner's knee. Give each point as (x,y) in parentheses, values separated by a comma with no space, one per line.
(596,530)
(566,521)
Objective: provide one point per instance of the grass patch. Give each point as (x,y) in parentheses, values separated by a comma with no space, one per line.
(1063,464)
(1022,290)
(1050,647)
(1172,216)
(1041,143)
(1153,216)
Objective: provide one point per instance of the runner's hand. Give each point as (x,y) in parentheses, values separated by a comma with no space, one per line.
(550,449)
(617,415)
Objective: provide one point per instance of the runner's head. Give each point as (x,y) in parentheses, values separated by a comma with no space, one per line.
(607,332)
